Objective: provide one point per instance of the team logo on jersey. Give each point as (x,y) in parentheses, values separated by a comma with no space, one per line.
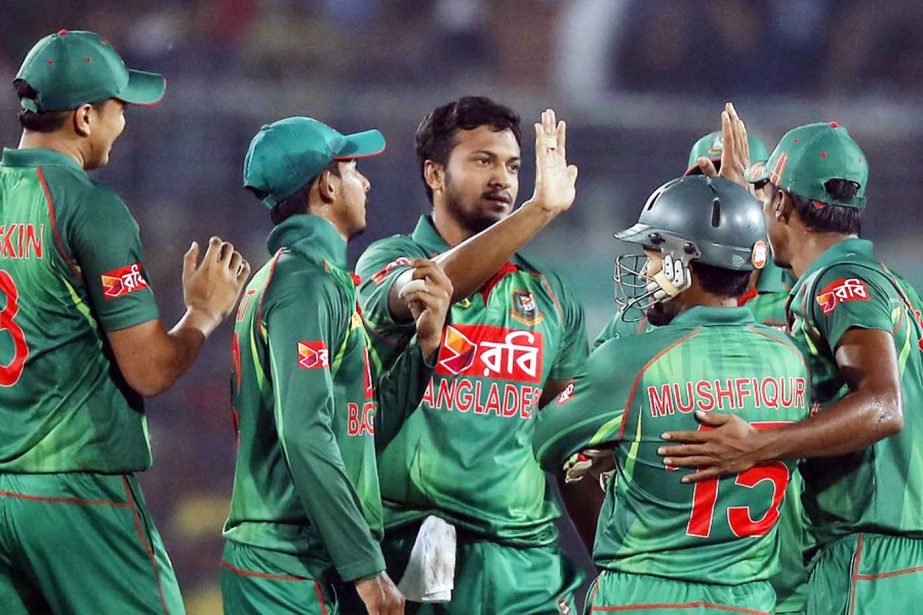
(491,352)
(566,395)
(313,355)
(760,254)
(379,277)
(120,282)
(840,291)
(524,309)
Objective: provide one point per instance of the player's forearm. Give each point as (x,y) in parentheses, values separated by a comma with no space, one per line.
(400,390)
(472,263)
(332,505)
(856,422)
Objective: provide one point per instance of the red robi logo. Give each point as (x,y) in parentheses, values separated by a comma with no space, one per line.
(124,281)
(313,355)
(492,352)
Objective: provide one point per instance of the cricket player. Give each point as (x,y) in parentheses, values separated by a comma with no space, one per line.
(82,344)
(863,477)
(306,508)
(666,546)
(516,335)
(769,288)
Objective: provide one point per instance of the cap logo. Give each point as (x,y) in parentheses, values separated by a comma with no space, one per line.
(775,173)
(760,254)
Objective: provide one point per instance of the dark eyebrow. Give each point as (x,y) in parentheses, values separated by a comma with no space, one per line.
(491,154)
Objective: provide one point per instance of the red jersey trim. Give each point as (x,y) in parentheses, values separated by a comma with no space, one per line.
(144,542)
(262,575)
(272,271)
(59,242)
(654,359)
(676,605)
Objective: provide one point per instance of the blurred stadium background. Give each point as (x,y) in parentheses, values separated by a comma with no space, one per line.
(637,81)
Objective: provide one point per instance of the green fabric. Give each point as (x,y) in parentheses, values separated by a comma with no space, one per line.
(880,488)
(255,580)
(711,146)
(286,155)
(305,399)
(809,156)
(57,525)
(71,270)
(635,388)
(492,578)
(653,595)
(72,68)
(867,573)
(466,455)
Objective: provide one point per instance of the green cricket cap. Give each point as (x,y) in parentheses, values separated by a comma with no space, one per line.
(712,145)
(808,157)
(73,68)
(286,155)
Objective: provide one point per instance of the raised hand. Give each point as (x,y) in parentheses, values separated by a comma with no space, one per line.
(555,180)
(735,155)
(428,296)
(213,286)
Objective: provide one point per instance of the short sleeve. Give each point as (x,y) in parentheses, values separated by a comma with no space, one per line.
(107,246)
(847,297)
(574,349)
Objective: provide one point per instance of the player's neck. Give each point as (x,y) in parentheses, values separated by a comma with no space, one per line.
(54,141)
(811,246)
(450,229)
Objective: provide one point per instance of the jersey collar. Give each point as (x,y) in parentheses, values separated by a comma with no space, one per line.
(311,236)
(842,251)
(707,315)
(426,235)
(35,156)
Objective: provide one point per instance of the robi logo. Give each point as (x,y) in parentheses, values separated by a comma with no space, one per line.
(313,355)
(491,352)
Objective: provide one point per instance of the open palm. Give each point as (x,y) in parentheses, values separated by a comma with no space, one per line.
(555,180)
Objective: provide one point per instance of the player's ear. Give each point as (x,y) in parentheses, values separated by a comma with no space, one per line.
(783,207)
(326,186)
(82,120)
(434,173)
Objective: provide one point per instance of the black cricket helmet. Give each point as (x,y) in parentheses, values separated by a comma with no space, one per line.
(698,218)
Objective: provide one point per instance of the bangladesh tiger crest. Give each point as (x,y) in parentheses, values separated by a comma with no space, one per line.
(524,309)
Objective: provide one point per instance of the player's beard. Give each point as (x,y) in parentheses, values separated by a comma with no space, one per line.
(657,316)
(471,217)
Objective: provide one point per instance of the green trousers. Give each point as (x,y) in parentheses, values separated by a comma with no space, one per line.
(81,543)
(255,581)
(490,578)
(651,595)
(869,574)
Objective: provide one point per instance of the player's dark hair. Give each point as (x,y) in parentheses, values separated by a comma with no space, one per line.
(296,203)
(43,121)
(827,218)
(721,282)
(436,133)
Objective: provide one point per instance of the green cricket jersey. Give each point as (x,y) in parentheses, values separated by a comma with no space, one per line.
(635,388)
(70,271)
(466,455)
(767,302)
(879,489)
(304,400)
